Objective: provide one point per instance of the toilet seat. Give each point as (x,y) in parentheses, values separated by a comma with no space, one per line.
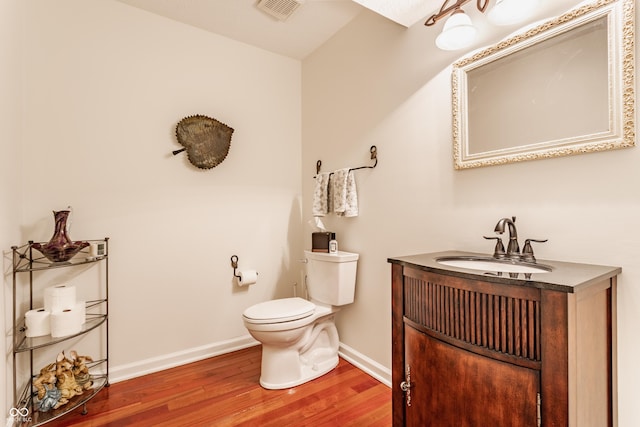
(279,311)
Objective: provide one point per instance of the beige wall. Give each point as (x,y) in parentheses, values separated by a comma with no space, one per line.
(10,172)
(105,85)
(395,94)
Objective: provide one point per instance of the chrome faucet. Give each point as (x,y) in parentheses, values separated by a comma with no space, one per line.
(513,249)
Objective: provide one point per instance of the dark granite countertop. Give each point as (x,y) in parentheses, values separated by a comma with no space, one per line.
(565,276)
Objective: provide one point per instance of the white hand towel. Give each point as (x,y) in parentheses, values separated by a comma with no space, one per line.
(345,196)
(321,195)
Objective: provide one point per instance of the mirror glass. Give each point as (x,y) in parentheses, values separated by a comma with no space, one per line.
(563,87)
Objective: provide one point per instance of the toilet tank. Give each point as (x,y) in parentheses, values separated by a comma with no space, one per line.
(331,278)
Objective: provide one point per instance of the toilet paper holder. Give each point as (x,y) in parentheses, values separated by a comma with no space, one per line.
(234,264)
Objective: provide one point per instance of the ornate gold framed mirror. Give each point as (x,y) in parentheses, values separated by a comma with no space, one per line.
(563,87)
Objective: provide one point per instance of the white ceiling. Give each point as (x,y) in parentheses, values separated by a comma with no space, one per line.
(311,24)
(404,12)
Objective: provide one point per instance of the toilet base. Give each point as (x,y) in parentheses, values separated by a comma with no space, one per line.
(307,374)
(313,356)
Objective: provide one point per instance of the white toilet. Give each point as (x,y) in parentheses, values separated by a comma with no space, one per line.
(299,337)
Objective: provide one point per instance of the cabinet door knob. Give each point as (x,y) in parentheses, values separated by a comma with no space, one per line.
(405,385)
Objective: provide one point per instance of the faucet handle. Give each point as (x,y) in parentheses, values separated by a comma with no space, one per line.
(527,251)
(498,252)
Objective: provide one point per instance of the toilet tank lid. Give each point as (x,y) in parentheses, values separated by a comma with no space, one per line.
(340,256)
(281,310)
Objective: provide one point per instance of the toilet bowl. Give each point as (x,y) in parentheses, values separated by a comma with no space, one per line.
(293,352)
(299,337)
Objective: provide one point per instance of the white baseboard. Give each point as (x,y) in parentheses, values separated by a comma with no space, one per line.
(365,364)
(167,361)
(160,363)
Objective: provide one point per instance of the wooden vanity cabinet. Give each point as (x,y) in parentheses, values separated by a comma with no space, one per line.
(472,352)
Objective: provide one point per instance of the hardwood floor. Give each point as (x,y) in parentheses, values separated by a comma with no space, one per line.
(224,391)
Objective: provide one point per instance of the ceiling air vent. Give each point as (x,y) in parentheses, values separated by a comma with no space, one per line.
(279,9)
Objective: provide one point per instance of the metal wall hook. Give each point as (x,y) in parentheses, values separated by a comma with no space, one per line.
(374,156)
(234,264)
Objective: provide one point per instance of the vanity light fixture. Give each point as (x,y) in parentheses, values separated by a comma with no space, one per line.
(508,12)
(458,31)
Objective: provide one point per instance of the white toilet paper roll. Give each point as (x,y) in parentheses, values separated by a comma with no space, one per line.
(247,277)
(60,297)
(37,322)
(81,311)
(65,322)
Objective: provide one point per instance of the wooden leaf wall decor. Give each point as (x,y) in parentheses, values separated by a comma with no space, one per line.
(205,140)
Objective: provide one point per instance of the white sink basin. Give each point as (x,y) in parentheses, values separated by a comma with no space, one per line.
(492,264)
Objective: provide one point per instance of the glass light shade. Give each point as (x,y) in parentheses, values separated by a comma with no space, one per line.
(458,32)
(508,12)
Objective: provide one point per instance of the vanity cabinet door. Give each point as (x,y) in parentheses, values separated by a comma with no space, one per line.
(452,387)
(482,353)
